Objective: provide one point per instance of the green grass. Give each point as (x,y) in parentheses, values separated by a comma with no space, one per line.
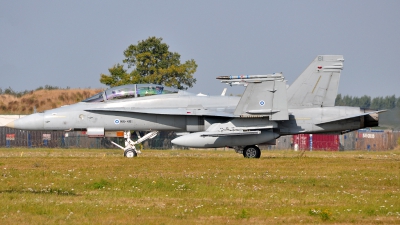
(54,186)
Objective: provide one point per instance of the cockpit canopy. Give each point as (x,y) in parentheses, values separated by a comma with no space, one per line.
(131,91)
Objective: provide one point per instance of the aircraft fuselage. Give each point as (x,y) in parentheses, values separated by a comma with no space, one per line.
(82,116)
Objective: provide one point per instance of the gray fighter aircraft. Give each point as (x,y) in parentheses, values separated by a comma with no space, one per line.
(266,111)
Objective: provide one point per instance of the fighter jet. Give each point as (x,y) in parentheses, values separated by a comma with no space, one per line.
(267,110)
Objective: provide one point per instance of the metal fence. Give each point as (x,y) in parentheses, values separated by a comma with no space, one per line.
(10,137)
(373,140)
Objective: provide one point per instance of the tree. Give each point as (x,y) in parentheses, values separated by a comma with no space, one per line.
(365,102)
(398,102)
(338,100)
(118,76)
(152,62)
(390,102)
(347,100)
(377,103)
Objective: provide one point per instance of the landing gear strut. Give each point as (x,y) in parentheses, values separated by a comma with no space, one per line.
(250,151)
(130,150)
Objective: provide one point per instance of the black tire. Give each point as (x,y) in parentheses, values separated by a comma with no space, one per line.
(130,153)
(251,151)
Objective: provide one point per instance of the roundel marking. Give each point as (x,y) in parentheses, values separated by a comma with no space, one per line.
(262,103)
(116,121)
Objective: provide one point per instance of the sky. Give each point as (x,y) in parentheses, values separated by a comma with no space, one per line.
(70,43)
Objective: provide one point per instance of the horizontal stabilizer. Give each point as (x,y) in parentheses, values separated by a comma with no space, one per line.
(350,117)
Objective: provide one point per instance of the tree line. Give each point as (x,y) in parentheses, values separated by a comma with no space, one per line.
(366,102)
(18,94)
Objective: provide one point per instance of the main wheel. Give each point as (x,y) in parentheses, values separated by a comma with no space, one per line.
(251,152)
(130,153)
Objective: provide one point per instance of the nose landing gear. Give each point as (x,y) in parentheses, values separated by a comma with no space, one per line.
(130,150)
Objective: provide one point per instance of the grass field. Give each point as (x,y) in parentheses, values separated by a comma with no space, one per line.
(55,186)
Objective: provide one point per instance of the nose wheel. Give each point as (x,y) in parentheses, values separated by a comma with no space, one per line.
(130,153)
(130,150)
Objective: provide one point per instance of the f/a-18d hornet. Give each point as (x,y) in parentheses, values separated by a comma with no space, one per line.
(267,110)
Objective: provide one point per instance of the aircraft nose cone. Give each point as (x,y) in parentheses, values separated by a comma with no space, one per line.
(31,122)
(177,141)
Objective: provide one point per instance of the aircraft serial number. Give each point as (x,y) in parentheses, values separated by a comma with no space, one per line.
(125,121)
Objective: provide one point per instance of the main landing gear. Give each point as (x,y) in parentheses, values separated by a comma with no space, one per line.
(250,151)
(130,150)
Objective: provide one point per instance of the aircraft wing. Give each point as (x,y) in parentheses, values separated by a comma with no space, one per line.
(167,111)
(349,117)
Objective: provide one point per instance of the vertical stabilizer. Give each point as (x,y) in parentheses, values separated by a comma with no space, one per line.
(318,85)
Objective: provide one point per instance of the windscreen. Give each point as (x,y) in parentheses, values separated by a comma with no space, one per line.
(95,98)
(131,91)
